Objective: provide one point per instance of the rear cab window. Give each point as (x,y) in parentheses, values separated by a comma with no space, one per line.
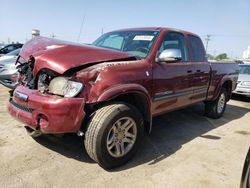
(197,49)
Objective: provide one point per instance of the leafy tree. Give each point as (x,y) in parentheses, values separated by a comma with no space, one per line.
(221,57)
(210,57)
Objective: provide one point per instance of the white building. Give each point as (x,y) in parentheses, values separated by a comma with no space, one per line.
(246,53)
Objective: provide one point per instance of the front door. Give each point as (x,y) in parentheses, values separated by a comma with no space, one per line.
(172,82)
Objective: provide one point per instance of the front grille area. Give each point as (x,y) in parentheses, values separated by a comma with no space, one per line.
(21,107)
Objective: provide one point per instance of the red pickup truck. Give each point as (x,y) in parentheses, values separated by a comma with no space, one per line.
(109,91)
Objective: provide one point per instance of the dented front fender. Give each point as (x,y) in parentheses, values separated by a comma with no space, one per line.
(117,90)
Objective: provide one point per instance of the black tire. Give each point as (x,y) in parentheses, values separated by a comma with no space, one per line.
(211,107)
(99,128)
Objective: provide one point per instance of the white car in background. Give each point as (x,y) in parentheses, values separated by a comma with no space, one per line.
(243,84)
(8,71)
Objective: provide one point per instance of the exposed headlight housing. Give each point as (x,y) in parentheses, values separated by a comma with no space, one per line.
(64,87)
(245,83)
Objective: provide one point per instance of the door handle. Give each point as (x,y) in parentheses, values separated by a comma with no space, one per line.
(189,71)
(198,70)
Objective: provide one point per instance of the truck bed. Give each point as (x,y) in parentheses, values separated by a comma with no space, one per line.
(220,72)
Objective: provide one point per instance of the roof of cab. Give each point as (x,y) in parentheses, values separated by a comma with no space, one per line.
(157,29)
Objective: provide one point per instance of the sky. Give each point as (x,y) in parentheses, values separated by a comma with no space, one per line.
(227,21)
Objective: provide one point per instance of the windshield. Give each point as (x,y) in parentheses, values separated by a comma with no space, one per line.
(244,69)
(136,43)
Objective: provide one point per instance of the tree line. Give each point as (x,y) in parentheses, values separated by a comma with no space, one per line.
(218,57)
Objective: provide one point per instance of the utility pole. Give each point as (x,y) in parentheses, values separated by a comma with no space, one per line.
(207,39)
(80,32)
(102,31)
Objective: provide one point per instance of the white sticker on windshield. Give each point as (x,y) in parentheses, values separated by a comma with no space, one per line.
(144,37)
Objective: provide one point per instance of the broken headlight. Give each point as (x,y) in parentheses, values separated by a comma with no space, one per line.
(64,87)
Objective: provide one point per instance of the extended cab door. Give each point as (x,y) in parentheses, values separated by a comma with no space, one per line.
(172,82)
(201,76)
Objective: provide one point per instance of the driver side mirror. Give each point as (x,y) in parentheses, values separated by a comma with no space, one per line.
(169,56)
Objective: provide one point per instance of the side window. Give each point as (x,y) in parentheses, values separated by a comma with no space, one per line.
(175,40)
(198,52)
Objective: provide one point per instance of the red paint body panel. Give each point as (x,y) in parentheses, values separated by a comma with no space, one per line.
(63,114)
(123,77)
(221,72)
(181,83)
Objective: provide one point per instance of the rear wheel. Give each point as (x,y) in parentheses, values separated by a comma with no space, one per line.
(215,109)
(114,134)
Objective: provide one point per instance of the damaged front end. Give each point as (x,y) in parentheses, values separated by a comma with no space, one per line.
(29,80)
(46,81)
(25,70)
(53,92)
(49,65)
(46,102)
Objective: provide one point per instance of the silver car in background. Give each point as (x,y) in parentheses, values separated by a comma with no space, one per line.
(8,71)
(243,84)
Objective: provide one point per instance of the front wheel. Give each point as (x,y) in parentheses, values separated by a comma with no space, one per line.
(114,134)
(215,109)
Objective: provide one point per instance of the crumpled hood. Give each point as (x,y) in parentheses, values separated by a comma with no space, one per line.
(61,56)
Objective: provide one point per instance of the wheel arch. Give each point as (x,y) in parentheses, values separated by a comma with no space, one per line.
(227,84)
(133,94)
